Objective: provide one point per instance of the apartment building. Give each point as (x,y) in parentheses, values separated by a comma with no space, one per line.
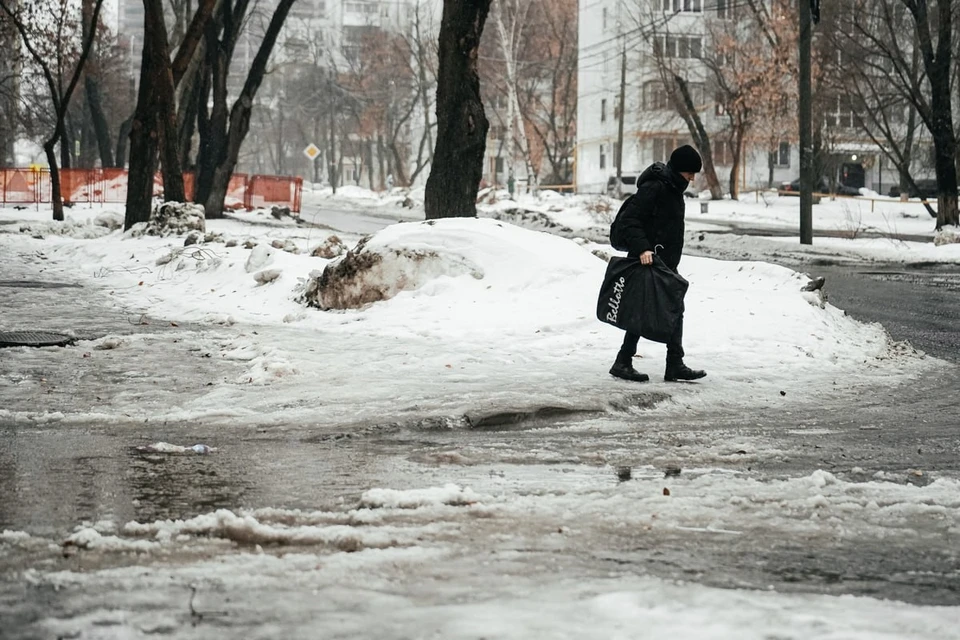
(623,44)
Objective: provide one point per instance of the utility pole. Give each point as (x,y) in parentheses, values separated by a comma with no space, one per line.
(622,114)
(806,117)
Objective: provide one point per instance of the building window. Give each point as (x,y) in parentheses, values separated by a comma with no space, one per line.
(361,7)
(678,46)
(726,58)
(783,155)
(839,113)
(604,18)
(308,9)
(655,97)
(616,154)
(719,108)
(676,6)
(498,166)
(722,153)
(603,157)
(726,9)
(603,110)
(663,147)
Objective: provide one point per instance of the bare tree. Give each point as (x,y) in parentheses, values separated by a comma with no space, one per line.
(222,128)
(154,127)
(551,87)
(91,78)
(750,66)
(424,50)
(461,123)
(53,73)
(671,53)
(897,74)
(510,18)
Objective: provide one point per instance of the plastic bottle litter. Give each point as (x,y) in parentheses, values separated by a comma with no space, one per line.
(175,449)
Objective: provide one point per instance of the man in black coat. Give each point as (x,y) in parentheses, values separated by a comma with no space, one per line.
(651,221)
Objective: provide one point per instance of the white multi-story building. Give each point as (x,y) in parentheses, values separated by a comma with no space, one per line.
(618,33)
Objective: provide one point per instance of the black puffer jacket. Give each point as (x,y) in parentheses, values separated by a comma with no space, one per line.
(654,215)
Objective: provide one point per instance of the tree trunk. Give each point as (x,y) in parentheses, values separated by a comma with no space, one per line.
(100,126)
(422,74)
(461,123)
(941,127)
(332,174)
(737,152)
(144,143)
(92,86)
(381,151)
(280,150)
(164,101)
(213,135)
(240,113)
(401,174)
(770,165)
(49,148)
(62,128)
(188,102)
(123,135)
(700,136)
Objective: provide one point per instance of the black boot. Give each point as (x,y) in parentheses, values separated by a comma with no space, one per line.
(676,370)
(624,370)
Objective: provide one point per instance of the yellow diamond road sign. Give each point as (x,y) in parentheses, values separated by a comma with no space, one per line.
(312,151)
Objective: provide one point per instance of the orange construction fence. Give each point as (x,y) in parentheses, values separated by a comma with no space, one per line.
(30,186)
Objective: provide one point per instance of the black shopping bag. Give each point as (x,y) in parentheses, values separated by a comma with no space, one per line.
(641,299)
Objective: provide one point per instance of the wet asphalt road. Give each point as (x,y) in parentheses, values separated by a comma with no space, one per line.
(919,304)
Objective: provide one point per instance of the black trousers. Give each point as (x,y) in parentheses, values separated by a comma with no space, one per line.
(674,346)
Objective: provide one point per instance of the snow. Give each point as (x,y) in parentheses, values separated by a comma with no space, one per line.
(474,319)
(471,318)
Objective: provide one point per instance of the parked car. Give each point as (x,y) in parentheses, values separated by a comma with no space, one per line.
(821,187)
(628,185)
(925,188)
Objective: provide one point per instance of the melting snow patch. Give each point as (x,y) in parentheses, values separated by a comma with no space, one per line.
(14,537)
(267,369)
(449,494)
(89,538)
(247,529)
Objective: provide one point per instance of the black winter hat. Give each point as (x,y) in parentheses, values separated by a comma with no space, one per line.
(685,159)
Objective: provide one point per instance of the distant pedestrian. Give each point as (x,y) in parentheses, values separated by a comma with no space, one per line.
(389,182)
(651,222)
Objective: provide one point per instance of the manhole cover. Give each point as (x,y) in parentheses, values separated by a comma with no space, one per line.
(34,339)
(37,284)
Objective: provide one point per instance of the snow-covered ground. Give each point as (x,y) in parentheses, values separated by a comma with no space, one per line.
(491,317)
(473,318)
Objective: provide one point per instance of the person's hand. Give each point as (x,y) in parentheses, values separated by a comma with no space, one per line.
(646,257)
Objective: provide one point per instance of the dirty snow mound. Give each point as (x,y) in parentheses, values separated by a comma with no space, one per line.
(370,274)
(332,247)
(408,256)
(947,235)
(172,219)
